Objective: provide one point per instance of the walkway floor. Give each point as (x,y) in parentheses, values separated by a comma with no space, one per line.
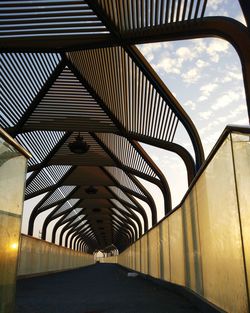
(101,288)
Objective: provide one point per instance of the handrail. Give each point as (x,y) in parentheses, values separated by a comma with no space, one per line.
(12,142)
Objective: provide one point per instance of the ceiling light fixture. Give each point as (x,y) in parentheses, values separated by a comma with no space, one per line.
(91,190)
(78,146)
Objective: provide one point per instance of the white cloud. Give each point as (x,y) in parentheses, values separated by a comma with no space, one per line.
(215,48)
(215,57)
(168,45)
(217,7)
(226,100)
(242,108)
(243,121)
(211,140)
(190,104)
(169,65)
(191,76)
(212,47)
(225,79)
(208,88)
(199,45)
(214,4)
(202,98)
(218,45)
(149,48)
(232,74)
(154,157)
(173,62)
(224,119)
(205,115)
(186,53)
(236,75)
(239,111)
(149,57)
(201,64)
(208,127)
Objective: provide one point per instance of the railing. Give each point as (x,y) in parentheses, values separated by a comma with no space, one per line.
(204,244)
(41,257)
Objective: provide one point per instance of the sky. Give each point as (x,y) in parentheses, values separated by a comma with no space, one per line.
(206,78)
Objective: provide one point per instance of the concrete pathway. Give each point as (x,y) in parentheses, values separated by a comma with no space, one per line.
(101,288)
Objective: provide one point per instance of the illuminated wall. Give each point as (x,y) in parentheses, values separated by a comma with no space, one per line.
(40,257)
(12,182)
(205,244)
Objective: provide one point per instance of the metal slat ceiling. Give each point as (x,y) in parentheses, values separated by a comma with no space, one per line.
(109,96)
(28,71)
(133,99)
(68,105)
(20,19)
(130,15)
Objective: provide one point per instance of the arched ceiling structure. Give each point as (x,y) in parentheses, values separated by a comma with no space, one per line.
(69,68)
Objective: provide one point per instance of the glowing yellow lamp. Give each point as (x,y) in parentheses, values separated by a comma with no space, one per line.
(14,246)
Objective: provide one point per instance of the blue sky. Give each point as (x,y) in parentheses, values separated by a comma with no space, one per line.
(205,76)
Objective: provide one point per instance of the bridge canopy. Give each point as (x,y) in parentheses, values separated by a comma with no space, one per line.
(79,95)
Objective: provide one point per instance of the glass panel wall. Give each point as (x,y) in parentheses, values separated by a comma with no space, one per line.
(165,250)
(144,254)
(39,256)
(221,247)
(154,255)
(205,243)
(177,266)
(191,242)
(12,182)
(241,156)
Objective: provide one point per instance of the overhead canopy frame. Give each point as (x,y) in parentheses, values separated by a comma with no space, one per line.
(70,68)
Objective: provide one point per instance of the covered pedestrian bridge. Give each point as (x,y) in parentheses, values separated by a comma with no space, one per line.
(78,100)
